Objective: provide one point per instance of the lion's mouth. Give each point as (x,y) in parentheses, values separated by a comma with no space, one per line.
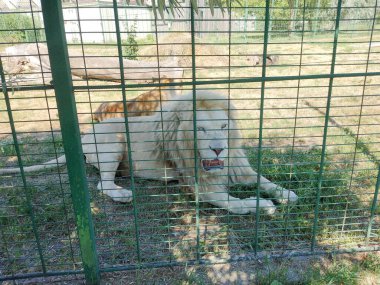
(212,164)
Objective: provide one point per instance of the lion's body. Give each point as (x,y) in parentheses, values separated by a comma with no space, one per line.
(143,105)
(162,147)
(145,162)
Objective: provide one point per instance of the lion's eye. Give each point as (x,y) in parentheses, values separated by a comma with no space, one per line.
(224,126)
(201,129)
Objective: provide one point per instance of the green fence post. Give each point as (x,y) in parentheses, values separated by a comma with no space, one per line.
(60,67)
(261,119)
(126,121)
(194,87)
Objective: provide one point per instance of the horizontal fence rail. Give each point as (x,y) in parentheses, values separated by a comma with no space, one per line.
(130,142)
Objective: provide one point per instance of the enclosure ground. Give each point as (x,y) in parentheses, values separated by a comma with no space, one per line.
(352,269)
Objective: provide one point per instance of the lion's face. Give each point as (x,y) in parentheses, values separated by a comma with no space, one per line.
(212,134)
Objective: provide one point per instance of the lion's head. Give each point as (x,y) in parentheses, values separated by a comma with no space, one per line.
(216,132)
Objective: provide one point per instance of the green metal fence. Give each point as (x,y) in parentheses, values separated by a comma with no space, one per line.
(304,80)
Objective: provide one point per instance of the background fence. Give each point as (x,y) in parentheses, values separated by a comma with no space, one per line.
(309,116)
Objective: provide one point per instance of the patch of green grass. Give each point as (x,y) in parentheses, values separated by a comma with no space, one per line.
(149,39)
(371,263)
(24,203)
(193,278)
(270,275)
(321,271)
(340,272)
(7,150)
(299,171)
(40,208)
(345,271)
(32,150)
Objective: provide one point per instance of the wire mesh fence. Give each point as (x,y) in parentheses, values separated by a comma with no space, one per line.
(182,110)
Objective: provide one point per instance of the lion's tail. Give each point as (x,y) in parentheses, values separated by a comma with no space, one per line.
(50,164)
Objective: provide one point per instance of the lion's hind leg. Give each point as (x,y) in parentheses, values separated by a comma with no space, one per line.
(108,166)
(105,150)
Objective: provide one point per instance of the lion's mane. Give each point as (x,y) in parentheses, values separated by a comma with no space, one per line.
(176,141)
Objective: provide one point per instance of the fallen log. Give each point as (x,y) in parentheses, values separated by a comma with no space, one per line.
(30,61)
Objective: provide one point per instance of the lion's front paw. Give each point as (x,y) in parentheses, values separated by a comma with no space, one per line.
(266,205)
(292,197)
(115,192)
(120,195)
(286,196)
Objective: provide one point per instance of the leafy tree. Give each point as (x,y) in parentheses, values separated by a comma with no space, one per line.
(131,48)
(17,28)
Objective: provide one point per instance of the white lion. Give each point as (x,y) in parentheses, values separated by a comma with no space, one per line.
(163,148)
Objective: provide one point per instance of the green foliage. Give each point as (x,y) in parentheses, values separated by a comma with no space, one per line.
(344,271)
(17,28)
(7,149)
(299,171)
(270,274)
(29,148)
(340,272)
(317,14)
(285,15)
(130,47)
(372,263)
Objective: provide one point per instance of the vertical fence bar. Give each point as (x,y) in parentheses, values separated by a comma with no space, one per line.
(130,160)
(259,156)
(325,129)
(357,140)
(162,124)
(297,107)
(229,8)
(64,202)
(373,208)
(376,194)
(196,178)
(63,86)
(80,30)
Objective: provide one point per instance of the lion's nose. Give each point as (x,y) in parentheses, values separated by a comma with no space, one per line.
(216,150)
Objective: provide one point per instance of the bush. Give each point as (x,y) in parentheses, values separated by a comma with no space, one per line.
(131,48)
(17,28)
